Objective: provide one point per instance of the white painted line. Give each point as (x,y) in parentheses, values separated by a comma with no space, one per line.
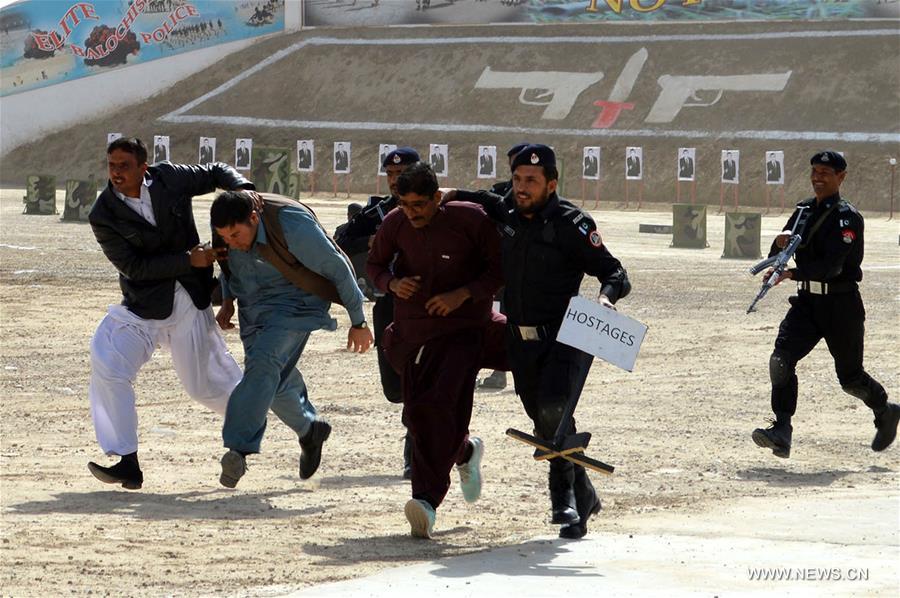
(248,121)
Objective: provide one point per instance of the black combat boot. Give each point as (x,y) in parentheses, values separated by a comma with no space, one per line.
(127,472)
(562,492)
(886,426)
(776,437)
(407,457)
(588,504)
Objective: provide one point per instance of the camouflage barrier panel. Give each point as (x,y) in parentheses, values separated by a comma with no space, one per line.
(742,233)
(295,184)
(40,194)
(80,197)
(689,226)
(272,170)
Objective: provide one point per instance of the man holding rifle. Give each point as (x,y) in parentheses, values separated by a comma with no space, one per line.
(827,305)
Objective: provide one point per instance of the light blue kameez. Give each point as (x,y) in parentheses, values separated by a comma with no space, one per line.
(276,319)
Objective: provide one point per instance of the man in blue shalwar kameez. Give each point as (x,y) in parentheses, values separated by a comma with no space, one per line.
(284,271)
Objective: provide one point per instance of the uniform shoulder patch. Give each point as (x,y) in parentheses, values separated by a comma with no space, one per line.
(595,239)
(845,207)
(848,235)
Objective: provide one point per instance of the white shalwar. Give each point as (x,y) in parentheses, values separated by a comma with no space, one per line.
(124,342)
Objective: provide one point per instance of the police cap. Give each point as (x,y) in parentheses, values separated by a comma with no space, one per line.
(353,209)
(516,149)
(401,155)
(830,158)
(535,154)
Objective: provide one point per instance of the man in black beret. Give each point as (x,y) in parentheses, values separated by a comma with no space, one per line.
(356,237)
(548,246)
(827,305)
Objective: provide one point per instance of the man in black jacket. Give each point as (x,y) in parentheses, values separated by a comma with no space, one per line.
(145,227)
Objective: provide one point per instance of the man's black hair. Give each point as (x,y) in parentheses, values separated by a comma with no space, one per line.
(419,178)
(230,208)
(129,145)
(551,173)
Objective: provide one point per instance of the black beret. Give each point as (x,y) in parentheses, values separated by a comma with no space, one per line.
(516,149)
(401,155)
(534,155)
(830,158)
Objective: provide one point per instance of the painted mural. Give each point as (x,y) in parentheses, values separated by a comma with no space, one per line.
(331,13)
(45,42)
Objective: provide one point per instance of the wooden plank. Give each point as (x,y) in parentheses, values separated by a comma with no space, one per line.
(575,457)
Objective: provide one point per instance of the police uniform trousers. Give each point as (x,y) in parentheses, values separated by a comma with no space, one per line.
(438,385)
(838,318)
(382,316)
(546,375)
(124,342)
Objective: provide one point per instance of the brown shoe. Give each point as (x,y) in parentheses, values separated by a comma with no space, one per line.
(234,466)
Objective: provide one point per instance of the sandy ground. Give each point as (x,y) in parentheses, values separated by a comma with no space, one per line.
(677,429)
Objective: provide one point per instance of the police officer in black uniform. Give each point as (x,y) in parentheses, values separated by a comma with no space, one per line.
(827,305)
(548,246)
(356,237)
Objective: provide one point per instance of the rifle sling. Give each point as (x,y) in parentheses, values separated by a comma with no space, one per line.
(808,237)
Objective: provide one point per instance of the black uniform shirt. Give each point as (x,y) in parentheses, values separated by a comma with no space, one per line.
(546,257)
(501,188)
(834,252)
(354,236)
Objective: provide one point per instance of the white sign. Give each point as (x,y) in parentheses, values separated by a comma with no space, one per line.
(602,332)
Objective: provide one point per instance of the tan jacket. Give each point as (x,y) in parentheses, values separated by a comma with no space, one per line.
(276,251)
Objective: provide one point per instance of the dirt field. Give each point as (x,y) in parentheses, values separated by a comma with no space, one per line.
(677,429)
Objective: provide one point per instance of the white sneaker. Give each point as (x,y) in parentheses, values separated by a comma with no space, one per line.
(470,472)
(421,518)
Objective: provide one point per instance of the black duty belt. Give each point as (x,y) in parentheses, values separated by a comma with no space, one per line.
(826,288)
(532,333)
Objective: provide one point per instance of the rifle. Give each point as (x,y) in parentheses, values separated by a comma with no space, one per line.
(778,262)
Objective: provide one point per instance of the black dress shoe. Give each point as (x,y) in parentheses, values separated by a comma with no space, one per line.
(886,426)
(126,472)
(311,447)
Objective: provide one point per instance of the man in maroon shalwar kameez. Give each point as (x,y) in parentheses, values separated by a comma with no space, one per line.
(446,272)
